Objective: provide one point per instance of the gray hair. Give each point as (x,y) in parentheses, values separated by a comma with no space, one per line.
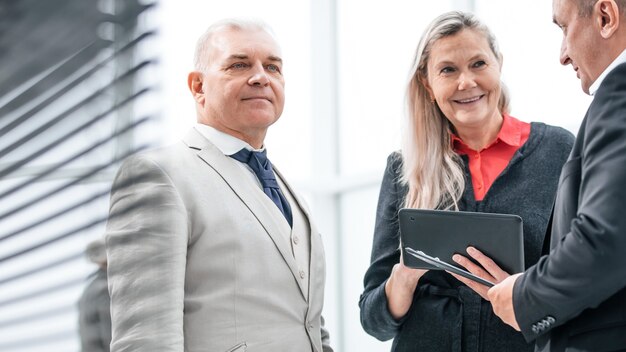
(203,44)
(585,7)
(431,168)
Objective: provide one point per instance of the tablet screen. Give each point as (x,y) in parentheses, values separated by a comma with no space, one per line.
(441,234)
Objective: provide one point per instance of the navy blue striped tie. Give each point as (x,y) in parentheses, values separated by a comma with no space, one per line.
(262,168)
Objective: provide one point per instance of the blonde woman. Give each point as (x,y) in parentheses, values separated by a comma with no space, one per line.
(462,151)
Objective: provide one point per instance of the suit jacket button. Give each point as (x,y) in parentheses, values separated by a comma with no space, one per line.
(302,274)
(296,240)
(534,329)
(550,320)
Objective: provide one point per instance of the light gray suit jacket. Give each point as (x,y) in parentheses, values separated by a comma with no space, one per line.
(198,260)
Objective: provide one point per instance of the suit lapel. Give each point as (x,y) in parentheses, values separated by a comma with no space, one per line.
(259,204)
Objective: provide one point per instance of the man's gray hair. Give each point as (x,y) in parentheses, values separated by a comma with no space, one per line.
(585,7)
(203,45)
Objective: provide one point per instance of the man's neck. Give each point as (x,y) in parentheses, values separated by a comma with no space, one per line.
(618,57)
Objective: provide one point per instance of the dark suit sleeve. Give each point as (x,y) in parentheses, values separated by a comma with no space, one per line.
(586,266)
(375,316)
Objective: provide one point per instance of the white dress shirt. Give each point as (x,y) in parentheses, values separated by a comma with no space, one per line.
(618,60)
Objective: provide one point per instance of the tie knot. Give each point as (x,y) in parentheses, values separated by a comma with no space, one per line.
(259,163)
(262,168)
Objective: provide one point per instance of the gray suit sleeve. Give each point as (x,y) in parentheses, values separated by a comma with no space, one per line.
(585,268)
(146,239)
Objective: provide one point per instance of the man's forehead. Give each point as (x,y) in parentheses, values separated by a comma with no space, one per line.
(242,42)
(560,9)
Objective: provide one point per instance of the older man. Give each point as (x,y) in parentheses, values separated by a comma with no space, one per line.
(209,247)
(574,299)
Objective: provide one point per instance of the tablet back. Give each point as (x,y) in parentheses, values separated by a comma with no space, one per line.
(441,234)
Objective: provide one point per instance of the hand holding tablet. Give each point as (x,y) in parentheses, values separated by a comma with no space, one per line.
(446,266)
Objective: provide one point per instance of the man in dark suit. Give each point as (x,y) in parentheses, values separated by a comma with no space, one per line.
(574,298)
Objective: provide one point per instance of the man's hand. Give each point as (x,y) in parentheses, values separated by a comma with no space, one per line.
(501,297)
(491,272)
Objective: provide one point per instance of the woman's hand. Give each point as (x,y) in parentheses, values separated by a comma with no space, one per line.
(400,288)
(491,272)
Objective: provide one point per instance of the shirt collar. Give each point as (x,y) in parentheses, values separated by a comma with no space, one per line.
(226,143)
(618,60)
(510,133)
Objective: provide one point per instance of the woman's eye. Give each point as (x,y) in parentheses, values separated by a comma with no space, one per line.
(447,69)
(480,63)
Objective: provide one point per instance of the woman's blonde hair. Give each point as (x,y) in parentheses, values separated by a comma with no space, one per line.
(431,169)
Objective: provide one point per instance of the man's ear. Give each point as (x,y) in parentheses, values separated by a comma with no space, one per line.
(195,80)
(607,16)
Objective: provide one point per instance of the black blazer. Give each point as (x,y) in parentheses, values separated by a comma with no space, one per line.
(574,299)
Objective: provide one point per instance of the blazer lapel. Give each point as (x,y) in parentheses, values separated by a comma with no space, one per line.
(259,204)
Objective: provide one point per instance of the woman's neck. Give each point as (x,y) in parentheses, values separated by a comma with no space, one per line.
(479,137)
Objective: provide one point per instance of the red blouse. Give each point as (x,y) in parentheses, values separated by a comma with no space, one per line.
(485,165)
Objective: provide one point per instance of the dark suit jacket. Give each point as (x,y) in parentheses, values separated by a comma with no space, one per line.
(574,299)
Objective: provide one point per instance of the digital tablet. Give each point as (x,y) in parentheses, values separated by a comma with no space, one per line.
(441,234)
(447,266)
